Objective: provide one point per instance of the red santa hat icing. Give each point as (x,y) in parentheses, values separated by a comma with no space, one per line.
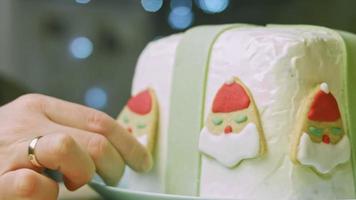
(141,103)
(230,97)
(324,107)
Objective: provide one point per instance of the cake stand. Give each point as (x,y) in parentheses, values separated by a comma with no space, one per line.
(117,193)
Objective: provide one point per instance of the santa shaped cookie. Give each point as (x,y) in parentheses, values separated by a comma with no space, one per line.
(320,138)
(140,117)
(233,131)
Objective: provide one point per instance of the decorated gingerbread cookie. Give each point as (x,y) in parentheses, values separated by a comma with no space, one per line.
(320,138)
(233,131)
(140,117)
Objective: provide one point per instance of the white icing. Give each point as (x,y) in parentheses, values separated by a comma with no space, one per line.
(230,149)
(325,88)
(230,81)
(323,157)
(280,66)
(143,139)
(154,69)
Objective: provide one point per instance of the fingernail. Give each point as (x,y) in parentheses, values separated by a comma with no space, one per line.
(147,162)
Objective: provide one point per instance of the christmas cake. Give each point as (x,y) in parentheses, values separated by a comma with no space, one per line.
(247,112)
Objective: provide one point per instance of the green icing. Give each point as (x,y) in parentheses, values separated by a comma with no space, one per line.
(217,121)
(316,131)
(125,119)
(335,130)
(141,126)
(240,119)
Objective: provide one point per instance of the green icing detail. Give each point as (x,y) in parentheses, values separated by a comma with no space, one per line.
(316,131)
(335,130)
(241,119)
(217,121)
(141,126)
(126,119)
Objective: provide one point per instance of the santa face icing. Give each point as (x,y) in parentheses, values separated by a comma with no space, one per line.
(233,132)
(322,142)
(139,117)
(136,124)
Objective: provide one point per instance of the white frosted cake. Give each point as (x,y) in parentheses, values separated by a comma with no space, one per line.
(246,112)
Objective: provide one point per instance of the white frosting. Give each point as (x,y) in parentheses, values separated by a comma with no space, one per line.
(280,66)
(231,149)
(142,139)
(325,88)
(323,157)
(230,81)
(154,69)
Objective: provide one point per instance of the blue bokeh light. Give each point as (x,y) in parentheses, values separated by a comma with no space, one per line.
(81,47)
(82,1)
(151,5)
(180,17)
(96,97)
(213,6)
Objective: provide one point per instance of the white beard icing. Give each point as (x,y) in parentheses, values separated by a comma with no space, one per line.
(231,149)
(143,139)
(323,157)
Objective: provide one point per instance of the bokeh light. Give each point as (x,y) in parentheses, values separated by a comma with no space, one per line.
(180,17)
(81,47)
(82,1)
(96,97)
(151,5)
(213,6)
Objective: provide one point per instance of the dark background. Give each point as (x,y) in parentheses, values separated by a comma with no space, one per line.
(35,39)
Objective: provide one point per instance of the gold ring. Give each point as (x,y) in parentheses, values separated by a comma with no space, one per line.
(31,152)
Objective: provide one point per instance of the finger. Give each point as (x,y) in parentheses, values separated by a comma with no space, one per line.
(81,117)
(109,163)
(27,184)
(61,152)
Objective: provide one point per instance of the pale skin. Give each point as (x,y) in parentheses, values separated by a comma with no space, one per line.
(77,141)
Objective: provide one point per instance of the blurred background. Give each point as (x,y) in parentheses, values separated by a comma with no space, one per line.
(86,50)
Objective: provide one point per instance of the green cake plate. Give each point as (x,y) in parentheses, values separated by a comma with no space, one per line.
(117,193)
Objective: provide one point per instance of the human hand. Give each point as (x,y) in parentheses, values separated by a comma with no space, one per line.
(77,141)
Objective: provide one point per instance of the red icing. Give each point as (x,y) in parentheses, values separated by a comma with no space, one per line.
(324,108)
(129,130)
(228,129)
(326,139)
(230,98)
(141,103)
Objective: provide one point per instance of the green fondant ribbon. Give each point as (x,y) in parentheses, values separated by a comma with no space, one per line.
(187,108)
(349,98)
